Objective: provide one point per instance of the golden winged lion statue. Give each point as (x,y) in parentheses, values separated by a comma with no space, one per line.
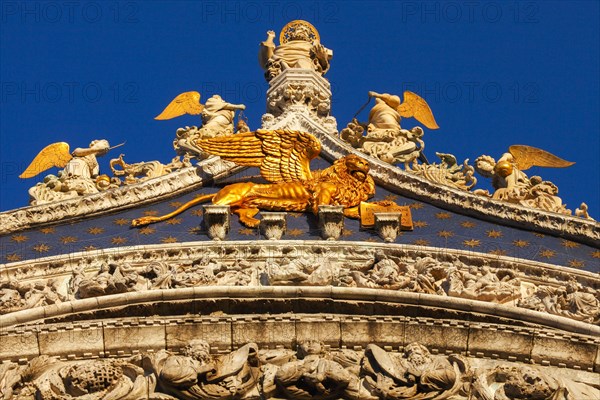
(283,157)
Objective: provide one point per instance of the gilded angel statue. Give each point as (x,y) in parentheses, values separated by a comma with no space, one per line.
(511,184)
(385,139)
(80,174)
(283,157)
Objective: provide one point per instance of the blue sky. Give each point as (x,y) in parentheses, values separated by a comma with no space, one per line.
(495,73)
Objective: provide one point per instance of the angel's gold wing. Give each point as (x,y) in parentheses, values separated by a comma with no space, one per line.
(53,155)
(185,103)
(527,157)
(415,106)
(282,155)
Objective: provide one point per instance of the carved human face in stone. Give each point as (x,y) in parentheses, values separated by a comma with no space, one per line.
(301,32)
(197,349)
(417,354)
(312,347)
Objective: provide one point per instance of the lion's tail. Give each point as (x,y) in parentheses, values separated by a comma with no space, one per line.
(150,220)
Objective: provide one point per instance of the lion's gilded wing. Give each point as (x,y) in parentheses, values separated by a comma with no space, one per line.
(415,106)
(282,155)
(53,155)
(185,103)
(527,157)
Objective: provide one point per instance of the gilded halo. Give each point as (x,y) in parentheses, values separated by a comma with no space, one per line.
(290,27)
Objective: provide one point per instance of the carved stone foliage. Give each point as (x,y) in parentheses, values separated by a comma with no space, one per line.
(534,288)
(311,372)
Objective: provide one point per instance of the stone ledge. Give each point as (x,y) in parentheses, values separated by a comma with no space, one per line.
(334,294)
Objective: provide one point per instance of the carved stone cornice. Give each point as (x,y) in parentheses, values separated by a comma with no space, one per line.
(122,198)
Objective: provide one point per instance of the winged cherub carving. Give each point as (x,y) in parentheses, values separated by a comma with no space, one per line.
(512,184)
(385,139)
(217,114)
(80,175)
(283,157)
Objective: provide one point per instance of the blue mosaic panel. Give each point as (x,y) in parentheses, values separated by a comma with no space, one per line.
(432,227)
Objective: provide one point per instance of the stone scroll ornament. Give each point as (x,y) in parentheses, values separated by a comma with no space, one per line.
(80,174)
(283,157)
(309,372)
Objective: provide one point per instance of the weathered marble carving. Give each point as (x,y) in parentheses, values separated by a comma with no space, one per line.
(310,372)
(331,221)
(299,89)
(391,145)
(16,295)
(299,47)
(47,378)
(528,287)
(500,286)
(142,171)
(196,374)
(110,279)
(572,301)
(273,225)
(526,382)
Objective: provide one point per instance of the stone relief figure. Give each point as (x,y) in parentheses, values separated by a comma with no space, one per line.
(414,375)
(110,279)
(302,271)
(497,287)
(16,295)
(313,376)
(310,372)
(571,301)
(525,382)
(79,176)
(197,375)
(299,47)
(512,185)
(47,378)
(9,378)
